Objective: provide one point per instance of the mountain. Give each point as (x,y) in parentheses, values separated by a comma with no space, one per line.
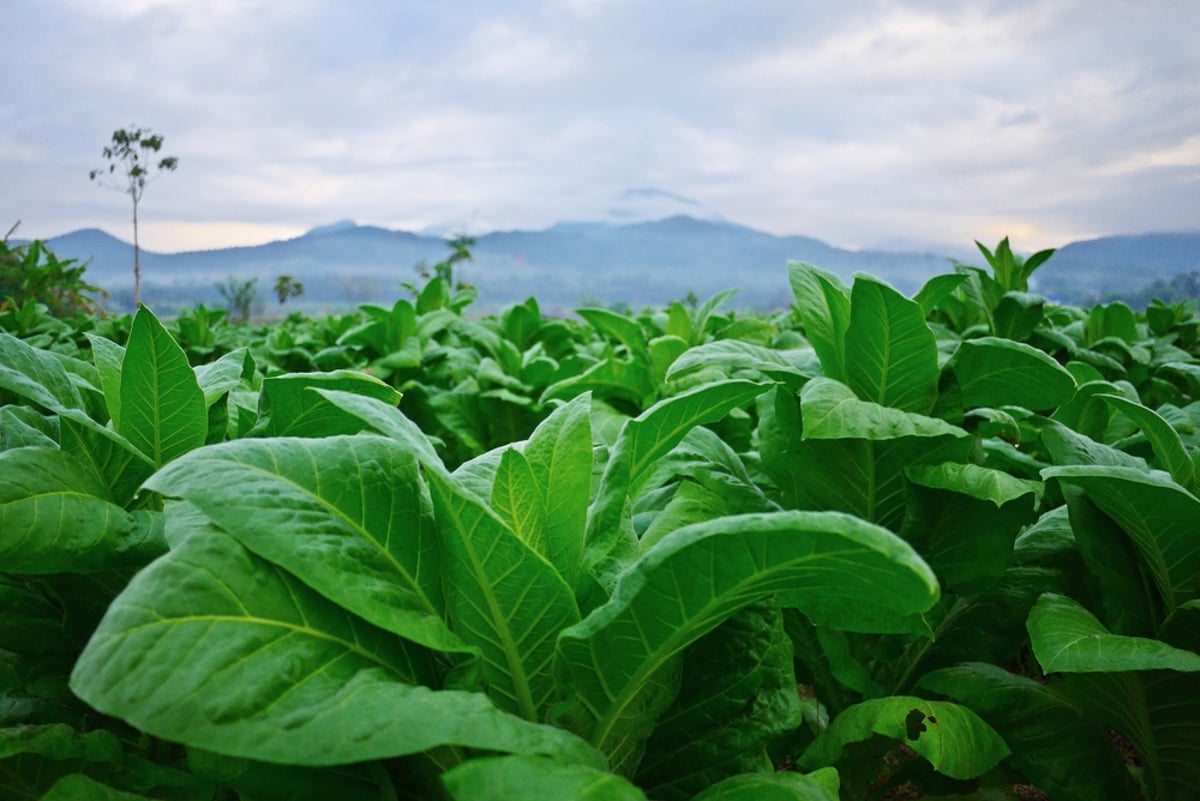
(1117,265)
(639,263)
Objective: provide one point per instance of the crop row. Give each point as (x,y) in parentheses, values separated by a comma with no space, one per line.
(872,545)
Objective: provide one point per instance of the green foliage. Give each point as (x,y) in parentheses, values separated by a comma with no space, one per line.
(942,545)
(240,295)
(287,287)
(32,277)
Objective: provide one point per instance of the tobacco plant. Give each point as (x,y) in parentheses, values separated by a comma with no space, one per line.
(942,545)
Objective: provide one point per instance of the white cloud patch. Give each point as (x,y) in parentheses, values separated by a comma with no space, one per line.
(856,123)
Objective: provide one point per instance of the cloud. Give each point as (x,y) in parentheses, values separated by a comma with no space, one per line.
(856,123)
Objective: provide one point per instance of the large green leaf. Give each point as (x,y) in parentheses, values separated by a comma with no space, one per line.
(832,411)
(1158,515)
(388,420)
(518,500)
(1149,690)
(224,375)
(162,407)
(833,451)
(623,660)
(963,519)
(23,427)
(216,648)
(527,778)
(1114,577)
(737,694)
(264,781)
(1000,372)
(821,785)
(119,465)
(642,441)
(611,378)
(824,306)
(624,329)
(109,356)
(732,358)
(504,598)
(956,741)
(1168,447)
(36,376)
(348,516)
(291,405)
(710,480)
(79,787)
(891,356)
(560,454)
(56,517)
(1053,744)
(1067,638)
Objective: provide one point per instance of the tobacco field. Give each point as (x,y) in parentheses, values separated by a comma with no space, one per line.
(867,547)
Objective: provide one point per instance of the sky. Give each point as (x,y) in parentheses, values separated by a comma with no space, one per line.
(862,123)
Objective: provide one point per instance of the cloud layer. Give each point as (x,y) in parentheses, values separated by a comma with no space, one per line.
(866,123)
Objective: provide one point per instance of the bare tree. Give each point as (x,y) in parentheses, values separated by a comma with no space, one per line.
(131,163)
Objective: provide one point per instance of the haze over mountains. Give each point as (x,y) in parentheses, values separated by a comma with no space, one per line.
(638,263)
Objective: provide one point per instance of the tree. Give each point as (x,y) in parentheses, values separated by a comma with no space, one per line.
(240,296)
(287,287)
(131,163)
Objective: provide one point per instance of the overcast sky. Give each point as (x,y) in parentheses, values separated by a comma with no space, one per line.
(860,123)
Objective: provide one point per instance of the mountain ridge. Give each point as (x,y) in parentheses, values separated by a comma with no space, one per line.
(640,263)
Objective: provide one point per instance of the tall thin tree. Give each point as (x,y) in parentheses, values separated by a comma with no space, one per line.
(131,163)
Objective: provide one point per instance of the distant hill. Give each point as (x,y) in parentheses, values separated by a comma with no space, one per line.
(1117,265)
(642,263)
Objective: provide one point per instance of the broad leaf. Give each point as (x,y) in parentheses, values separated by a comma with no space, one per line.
(24,427)
(560,454)
(1067,638)
(632,381)
(824,306)
(1000,372)
(36,376)
(526,778)
(818,786)
(506,599)
(936,289)
(736,359)
(290,405)
(624,658)
(348,516)
(213,647)
(388,420)
(1144,688)
(518,500)
(624,329)
(162,407)
(109,356)
(1053,744)
(954,739)
(963,519)
(1158,515)
(831,411)
(891,356)
(79,787)
(118,464)
(641,443)
(737,694)
(224,375)
(839,453)
(1168,447)
(55,517)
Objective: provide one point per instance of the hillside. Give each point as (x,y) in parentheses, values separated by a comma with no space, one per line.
(639,263)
